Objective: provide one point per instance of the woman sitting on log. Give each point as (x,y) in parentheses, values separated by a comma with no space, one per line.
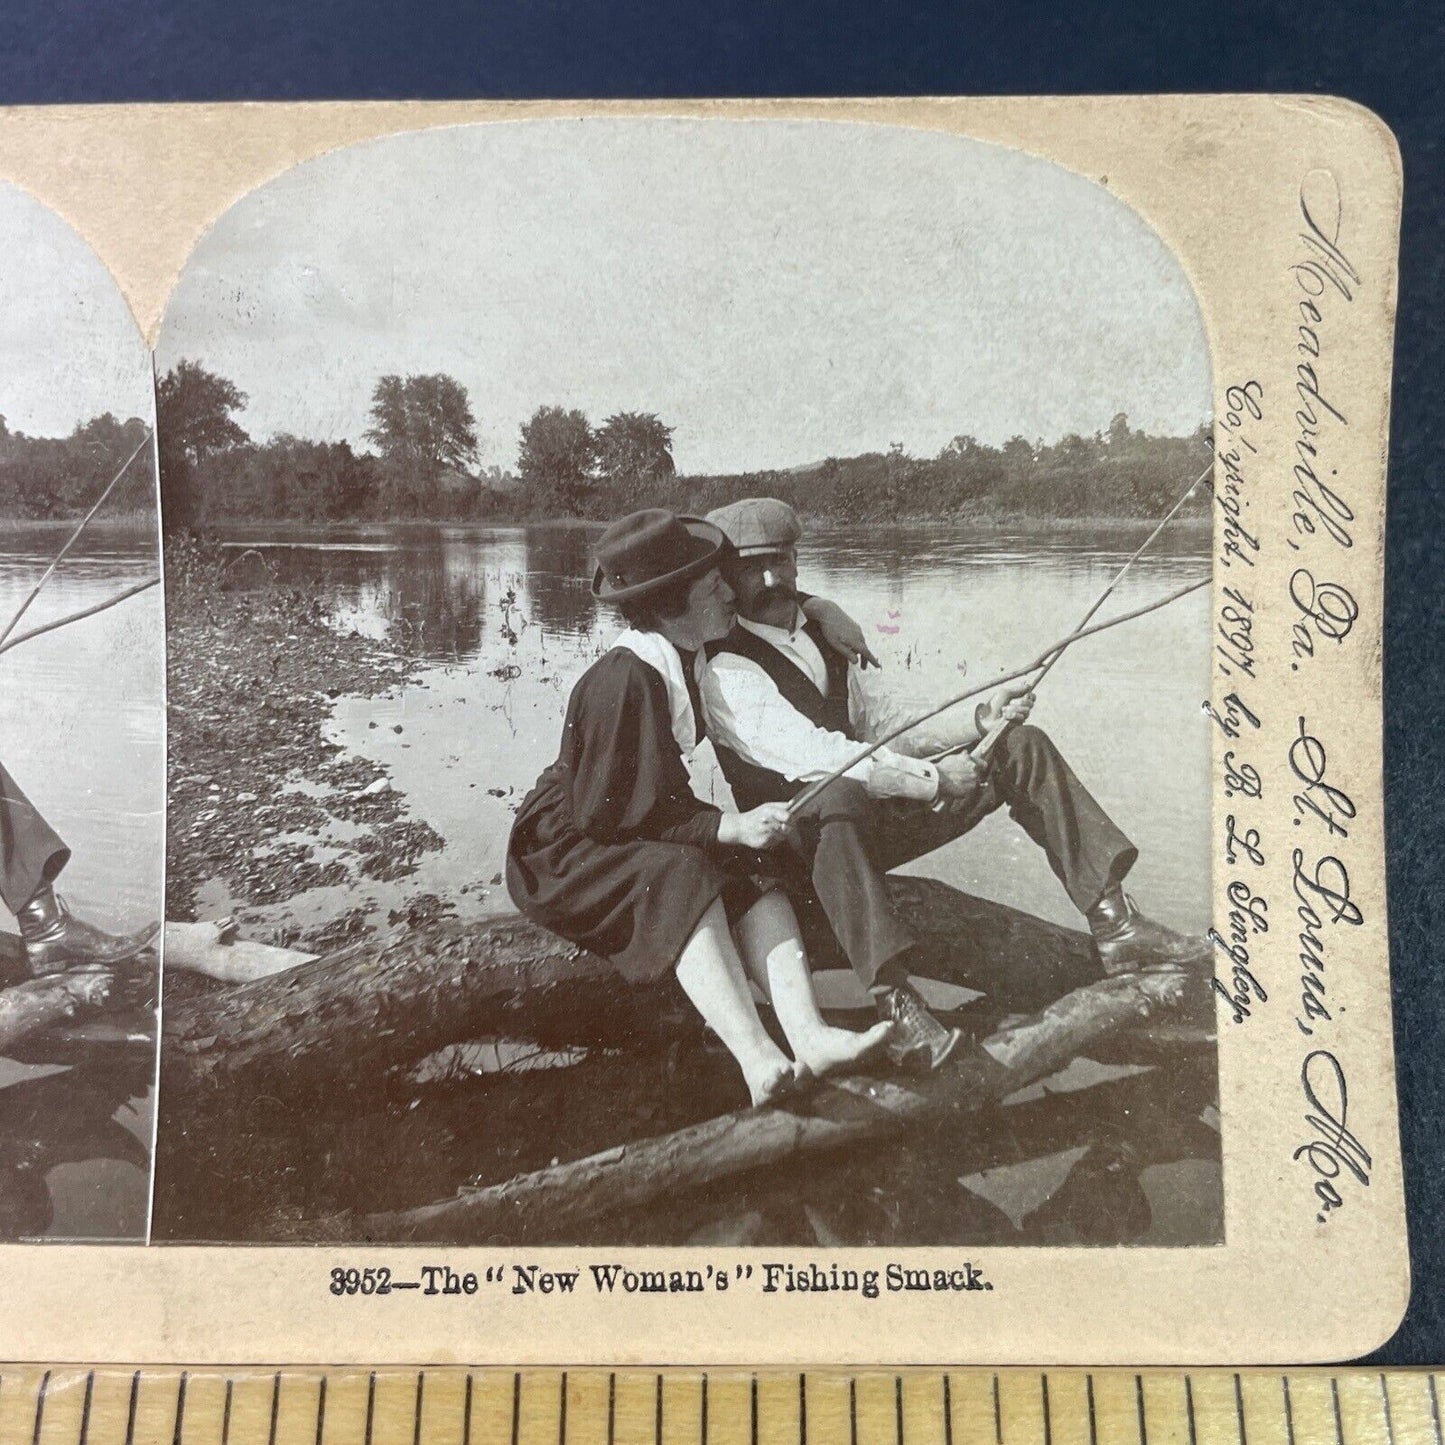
(614,851)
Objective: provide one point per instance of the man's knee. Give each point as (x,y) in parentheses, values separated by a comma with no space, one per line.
(1027,740)
(844,801)
(1026,755)
(835,841)
(1027,735)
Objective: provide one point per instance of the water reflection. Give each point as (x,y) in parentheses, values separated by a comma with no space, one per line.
(437,584)
(74,1154)
(558,578)
(446,585)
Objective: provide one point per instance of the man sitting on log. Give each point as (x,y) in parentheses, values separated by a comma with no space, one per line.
(783,711)
(32,854)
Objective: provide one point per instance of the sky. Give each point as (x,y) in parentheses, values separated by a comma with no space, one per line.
(777,291)
(69,347)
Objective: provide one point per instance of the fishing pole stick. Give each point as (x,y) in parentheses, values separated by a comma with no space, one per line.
(985,745)
(814,788)
(74,537)
(84,612)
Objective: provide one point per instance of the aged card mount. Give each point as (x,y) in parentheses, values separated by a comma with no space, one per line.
(984,347)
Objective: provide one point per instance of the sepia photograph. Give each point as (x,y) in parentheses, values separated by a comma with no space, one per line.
(688,644)
(82,741)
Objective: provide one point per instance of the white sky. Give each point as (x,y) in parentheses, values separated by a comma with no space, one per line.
(777,291)
(69,347)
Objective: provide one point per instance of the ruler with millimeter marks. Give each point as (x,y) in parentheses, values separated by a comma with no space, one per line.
(454,1406)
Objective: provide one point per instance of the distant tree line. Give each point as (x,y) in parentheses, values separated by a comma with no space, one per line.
(422,465)
(43,477)
(1116,473)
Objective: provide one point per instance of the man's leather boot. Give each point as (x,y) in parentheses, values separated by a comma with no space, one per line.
(918,1040)
(1128,941)
(56,940)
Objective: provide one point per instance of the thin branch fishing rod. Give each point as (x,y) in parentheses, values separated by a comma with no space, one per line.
(814,788)
(74,537)
(984,746)
(84,612)
(1143,547)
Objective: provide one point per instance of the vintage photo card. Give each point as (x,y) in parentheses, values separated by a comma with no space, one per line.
(772,730)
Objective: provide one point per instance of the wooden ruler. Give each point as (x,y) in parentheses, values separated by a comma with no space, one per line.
(348,1406)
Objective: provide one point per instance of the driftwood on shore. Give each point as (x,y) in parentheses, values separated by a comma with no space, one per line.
(31,1007)
(385,1004)
(40,1003)
(215,951)
(71,1017)
(827,1118)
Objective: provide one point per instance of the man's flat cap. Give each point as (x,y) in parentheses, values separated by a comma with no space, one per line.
(758,524)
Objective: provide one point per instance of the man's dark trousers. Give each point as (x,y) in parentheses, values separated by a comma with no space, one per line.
(847,841)
(31,851)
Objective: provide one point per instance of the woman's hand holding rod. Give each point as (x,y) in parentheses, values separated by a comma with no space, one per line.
(763,827)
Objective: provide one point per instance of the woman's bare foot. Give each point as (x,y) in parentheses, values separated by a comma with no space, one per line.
(830,1050)
(775,1079)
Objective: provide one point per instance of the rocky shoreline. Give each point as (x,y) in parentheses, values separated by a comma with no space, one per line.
(259,802)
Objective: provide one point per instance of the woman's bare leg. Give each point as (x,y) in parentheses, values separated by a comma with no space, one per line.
(712,976)
(772,949)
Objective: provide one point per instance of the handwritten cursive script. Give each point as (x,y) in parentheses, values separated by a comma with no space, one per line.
(1332,805)
(1248,915)
(1326,280)
(1327,610)
(1334,1151)
(1325,887)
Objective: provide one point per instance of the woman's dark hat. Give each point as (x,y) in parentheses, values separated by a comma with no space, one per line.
(649,550)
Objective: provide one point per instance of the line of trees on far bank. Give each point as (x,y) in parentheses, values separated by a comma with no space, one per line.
(420,462)
(43,477)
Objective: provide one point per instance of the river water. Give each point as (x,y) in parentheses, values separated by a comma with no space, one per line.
(506,623)
(82,730)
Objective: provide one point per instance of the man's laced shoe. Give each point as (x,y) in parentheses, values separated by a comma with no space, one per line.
(56,940)
(918,1040)
(1128,941)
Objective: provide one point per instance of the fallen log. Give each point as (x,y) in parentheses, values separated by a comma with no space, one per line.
(35,1004)
(74,1017)
(380,1005)
(927,1184)
(383,1005)
(563,1199)
(128,1032)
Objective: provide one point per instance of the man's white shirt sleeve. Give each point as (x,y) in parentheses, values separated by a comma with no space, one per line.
(876,711)
(746,712)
